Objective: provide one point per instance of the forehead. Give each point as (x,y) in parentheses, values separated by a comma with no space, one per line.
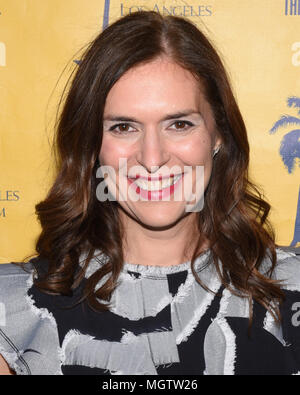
(154,87)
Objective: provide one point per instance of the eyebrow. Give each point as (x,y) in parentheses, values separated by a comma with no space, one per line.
(179,114)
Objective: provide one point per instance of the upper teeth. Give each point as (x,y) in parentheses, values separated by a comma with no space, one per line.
(158,184)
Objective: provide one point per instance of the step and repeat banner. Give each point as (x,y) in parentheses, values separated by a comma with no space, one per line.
(40,42)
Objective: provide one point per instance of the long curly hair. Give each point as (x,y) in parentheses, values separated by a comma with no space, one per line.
(75,223)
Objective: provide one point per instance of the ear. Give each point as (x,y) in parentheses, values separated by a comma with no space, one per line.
(217,145)
(218,142)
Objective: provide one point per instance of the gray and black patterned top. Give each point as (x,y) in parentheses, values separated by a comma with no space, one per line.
(162,322)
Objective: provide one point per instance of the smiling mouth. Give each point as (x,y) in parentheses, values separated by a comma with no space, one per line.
(156,184)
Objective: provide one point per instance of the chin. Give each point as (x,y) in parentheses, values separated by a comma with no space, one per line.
(156,215)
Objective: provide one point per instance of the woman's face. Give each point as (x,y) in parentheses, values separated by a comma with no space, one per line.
(157,119)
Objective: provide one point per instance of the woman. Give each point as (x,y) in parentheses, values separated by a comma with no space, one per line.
(132,276)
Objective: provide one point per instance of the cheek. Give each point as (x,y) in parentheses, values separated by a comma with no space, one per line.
(196,151)
(111,151)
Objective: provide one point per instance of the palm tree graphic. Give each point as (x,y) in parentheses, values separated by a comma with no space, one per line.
(290,152)
(106,14)
(105,22)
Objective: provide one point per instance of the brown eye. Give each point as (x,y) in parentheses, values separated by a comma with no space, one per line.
(182,125)
(121,128)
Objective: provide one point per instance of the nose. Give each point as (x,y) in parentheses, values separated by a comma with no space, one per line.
(152,152)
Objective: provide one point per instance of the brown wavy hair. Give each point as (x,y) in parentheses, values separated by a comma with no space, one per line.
(74,222)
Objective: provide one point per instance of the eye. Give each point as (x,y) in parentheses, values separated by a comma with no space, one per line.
(182,125)
(121,128)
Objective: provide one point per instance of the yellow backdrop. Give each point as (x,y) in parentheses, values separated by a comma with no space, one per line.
(39,40)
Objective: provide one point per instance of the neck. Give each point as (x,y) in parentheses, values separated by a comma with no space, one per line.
(166,247)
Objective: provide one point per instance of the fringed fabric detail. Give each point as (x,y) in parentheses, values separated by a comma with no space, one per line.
(128,337)
(162,271)
(184,289)
(196,307)
(230,352)
(268,322)
(292,287)
(165,301)
(114,356)
(78,338)
(163,347)
(43,313)
(224,303)
(274,328)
